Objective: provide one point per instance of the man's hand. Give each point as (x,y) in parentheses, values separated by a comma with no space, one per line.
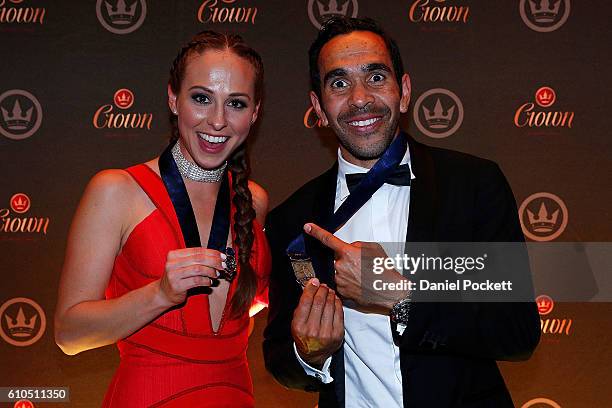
(318,323)
(349,273)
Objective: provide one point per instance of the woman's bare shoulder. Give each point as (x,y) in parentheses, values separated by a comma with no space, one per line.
(260,201)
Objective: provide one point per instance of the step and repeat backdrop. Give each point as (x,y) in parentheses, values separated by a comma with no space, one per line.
(525,83)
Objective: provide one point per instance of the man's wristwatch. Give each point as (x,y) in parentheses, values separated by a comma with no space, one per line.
(400,311)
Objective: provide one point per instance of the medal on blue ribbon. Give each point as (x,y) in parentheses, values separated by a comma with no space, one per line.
(220,227)
(301,262)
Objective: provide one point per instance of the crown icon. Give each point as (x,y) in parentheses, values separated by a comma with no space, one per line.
(17,119)
(124,98)
(544,11)
(545,304)
(545,98)
(543,222)
(20,326)
(19,204)
(121,14)
(332,9)
(436,119)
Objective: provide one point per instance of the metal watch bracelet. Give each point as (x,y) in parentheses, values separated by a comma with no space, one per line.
(401,310)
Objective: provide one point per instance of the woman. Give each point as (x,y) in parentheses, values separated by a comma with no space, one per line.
(152,252)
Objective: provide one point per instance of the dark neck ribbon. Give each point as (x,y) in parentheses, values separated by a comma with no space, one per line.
(177,191)
(373,180)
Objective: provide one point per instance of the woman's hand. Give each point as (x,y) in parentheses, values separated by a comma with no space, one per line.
(188,268)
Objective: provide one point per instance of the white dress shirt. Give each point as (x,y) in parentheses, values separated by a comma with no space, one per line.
(371,359)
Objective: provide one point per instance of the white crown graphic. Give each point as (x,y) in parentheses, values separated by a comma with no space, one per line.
(122,14)
(22,327)
(20,204)
(332,9)
(546,11)
(124,98)
(543,222)
(544,304)
(545,97)
(17,120)
(436,119)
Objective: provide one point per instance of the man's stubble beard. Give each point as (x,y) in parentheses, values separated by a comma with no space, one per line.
(371,151)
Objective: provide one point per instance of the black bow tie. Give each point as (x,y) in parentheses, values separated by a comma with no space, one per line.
(398,177)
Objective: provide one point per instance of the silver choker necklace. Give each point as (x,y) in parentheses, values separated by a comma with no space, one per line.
(194,172)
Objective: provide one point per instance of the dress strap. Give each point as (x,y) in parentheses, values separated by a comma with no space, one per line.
(153,186)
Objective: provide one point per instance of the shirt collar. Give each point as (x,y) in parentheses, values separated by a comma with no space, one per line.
(344,168)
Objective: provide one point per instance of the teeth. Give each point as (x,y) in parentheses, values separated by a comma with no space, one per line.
(212,139)
(364,122)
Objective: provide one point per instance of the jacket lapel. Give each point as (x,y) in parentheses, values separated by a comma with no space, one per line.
(423,195)
(323,209)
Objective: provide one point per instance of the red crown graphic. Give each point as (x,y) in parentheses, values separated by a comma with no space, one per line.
(543,222)
(23,404)
(17,119)
(545,96)
(436,119)
(545,304)
(20,203)
(19,326)
(121,14)
(332,8)
(544,11)
(123,98)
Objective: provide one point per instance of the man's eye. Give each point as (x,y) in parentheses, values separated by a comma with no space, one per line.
(200,98)
(237,104)
(377,78)
(339,83)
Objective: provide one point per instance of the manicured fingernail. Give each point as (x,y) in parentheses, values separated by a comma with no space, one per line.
(224,265)
(223,256)
(314,282)
(307,227)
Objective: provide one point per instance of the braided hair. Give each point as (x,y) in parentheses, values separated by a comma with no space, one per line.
(238,163)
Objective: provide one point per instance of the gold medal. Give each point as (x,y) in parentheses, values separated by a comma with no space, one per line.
(302,268)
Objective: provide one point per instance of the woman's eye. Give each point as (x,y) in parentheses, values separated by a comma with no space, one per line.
(200,98)
(237,104)
(339,84)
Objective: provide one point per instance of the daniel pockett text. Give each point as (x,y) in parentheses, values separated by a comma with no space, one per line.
(451,272)
(411,265)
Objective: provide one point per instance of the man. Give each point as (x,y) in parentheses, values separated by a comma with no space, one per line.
(335,336)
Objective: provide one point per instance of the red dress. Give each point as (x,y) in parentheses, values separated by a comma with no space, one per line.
(178,360)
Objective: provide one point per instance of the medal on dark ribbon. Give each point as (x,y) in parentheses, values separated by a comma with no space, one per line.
(220,227)
(301,262)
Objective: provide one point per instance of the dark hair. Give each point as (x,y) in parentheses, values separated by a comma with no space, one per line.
(339,25)
(238,163)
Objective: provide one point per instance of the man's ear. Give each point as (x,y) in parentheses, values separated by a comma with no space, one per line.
(406,91)
(172,100)
(314,99)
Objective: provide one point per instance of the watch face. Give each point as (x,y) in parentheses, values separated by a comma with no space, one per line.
(399,312)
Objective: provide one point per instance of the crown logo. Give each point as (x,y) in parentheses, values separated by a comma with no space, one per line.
(544,11)
(124,98)
(121,14)
(545,98)
(436,119)
(20,326)
(543,222)
(545,304)
(332,9)
(17,119)
(20,204)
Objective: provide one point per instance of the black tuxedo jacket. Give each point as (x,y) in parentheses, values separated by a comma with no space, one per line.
(448,350)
